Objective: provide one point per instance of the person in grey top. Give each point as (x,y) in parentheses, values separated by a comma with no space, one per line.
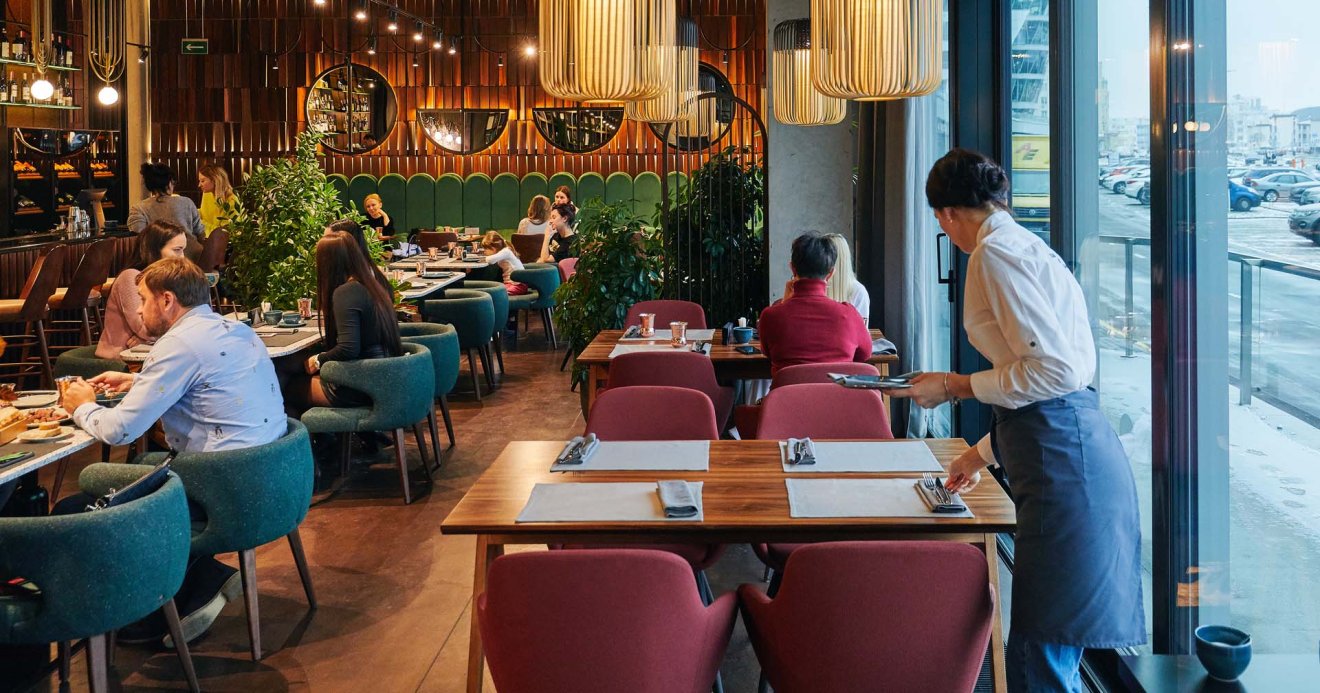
(164,204)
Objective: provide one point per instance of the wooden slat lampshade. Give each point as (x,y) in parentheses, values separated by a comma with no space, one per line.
(796,101)
(607,50)
(675,103)
(876,50)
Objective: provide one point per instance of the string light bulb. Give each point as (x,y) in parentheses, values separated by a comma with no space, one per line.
(319,3)
(417,31)
(361,13)
(394,20)
(108,95)
(529,50)
(371,46)
(439,42)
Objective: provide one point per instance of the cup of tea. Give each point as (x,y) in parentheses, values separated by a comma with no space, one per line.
(305,308)
(273,317)
(677,334)
(742,335)
(648,324)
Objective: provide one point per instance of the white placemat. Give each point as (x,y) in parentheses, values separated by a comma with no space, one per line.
(662,334)
(654,455)
(612,502)
(634,348)
(871,457)
(858,498)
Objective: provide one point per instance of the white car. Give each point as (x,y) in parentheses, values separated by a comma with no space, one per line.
(1119,183)
(1139,190)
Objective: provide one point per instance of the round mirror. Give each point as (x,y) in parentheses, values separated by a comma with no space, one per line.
(710,118)
(353,106)
(578,130)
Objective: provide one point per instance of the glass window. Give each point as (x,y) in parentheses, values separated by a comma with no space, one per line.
(1030,93)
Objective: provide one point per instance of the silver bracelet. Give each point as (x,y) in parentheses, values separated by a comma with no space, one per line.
(947,394)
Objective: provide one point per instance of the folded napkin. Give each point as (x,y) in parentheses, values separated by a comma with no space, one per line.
(940,503)
(632,332)
(801,451)
(677,499)
(578,450)
(701,347)
(883,346)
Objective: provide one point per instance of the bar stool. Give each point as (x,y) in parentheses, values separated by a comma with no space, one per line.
(83,294)
(31,309)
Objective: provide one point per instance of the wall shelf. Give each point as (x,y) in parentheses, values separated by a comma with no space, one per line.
(40,105)
(22,63)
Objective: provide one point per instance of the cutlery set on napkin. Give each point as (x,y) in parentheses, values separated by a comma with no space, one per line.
(938,498)
(578,449)
(801,451)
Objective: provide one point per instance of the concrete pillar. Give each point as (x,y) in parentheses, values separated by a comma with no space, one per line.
(811,168)
(137,97)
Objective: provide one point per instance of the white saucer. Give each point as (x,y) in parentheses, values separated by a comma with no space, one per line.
(36,399)
(28,437)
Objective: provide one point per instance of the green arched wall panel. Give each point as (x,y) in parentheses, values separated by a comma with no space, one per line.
(393,191)
(340,183)
(619,188)
(449,200)
(646,190)
(477,201)
(533,184)
(421,201)
(590,186)
(504,195)
(359,187)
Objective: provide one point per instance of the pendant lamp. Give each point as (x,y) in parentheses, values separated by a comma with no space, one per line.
(796,101)
(876,50)
(607,50)
(675,102)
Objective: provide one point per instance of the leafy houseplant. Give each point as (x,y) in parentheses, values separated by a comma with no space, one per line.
(280,213)
(619,262)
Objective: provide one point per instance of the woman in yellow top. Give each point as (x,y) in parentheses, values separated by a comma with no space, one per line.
(215,187)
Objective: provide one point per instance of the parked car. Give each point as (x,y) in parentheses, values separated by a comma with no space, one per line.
(1236,172)
(1242,198)
(1139,190)
(1309,196)
(1305,222)
(1277,185)
(1120,182)
(1258,172)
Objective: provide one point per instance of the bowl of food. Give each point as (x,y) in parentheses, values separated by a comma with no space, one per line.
(36,417)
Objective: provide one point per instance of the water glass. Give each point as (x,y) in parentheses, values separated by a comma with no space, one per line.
(305,308)
(648,324)
(433,253)
(677,334)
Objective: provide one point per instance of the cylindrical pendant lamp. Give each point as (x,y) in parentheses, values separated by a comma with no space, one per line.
(796,101)
(607,50)
(674,103)
(876,50)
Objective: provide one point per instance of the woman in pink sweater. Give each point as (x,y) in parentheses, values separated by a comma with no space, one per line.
(123,328)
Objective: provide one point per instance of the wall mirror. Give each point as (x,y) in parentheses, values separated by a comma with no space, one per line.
(578,130)
(463,130)
(353,106)
(709,121)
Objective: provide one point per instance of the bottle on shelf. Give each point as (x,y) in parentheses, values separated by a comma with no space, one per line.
(20,49)
(4,85)
(26,94)
(15,90)
(59,91)
(4,42)
(68,52)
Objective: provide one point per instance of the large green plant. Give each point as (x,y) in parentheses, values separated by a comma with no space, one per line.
(619,262)
(280,213)
(714,235)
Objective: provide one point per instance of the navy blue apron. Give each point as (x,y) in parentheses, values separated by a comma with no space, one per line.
(1077,558)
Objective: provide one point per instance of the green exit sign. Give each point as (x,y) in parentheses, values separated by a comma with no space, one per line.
(196,46)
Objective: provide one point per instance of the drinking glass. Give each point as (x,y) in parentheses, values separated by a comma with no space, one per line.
(648,324)
(677,334)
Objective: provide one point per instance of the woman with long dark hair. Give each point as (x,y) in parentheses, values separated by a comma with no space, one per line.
(357,318)
(354,229)
(123,327)
(1077,557)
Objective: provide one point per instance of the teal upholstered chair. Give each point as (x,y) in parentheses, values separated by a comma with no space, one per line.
(562,178)
(543,279)
(359,187)
(472,313)
(590,186)
(499,296)
(646,193)
(98,572)
(401,389)
(442,342)
(83,362)
(340,183)
(619,188)
(532,184)
(251,497)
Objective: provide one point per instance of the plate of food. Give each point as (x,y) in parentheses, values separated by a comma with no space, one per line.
(105,392)
(36,417)
(34,399)
(46,432)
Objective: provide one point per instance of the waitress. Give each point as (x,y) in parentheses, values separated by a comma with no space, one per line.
(1076,570)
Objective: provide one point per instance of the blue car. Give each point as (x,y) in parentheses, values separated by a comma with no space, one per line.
(1242,198)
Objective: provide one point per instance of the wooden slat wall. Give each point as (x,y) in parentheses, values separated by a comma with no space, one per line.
(229,106)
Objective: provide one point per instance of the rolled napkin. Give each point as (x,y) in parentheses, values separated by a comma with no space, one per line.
(883,346)
(801,451)
(677,499)
(578,449)
(940,501)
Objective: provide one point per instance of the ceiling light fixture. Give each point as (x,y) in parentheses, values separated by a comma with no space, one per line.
(675,103)
(439,41)
(876,51)
(796,101)
(615,51)
(108,95)
(394,20)
(371,46)
(417,31)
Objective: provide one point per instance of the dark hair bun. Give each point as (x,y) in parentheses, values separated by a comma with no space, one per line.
(966,178)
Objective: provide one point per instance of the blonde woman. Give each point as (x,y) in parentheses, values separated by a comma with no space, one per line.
(843,286)
(377,218)
(216,190)
(538,216)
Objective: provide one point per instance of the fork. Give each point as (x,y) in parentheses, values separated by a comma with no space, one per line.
(936,488)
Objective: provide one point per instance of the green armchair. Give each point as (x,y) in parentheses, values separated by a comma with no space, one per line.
(472,313)
(442,342)
(543,279)
(83,362)
(251,497)
(499,296)
(98,571)
(401,389)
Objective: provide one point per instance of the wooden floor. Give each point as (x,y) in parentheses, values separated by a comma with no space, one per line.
(395,596)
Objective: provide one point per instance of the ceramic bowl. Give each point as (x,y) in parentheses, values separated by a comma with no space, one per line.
(1224,651)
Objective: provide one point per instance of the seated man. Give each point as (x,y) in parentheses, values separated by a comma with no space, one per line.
(211,384)
(807,326)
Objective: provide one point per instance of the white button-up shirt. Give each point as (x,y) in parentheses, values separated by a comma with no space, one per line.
(1025,312)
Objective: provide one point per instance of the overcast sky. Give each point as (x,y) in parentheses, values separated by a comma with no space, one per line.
(1257,30)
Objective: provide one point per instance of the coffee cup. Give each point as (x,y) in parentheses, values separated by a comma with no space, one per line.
(273,317)
(742,335)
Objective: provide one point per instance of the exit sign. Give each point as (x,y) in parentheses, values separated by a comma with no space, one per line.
(196,46)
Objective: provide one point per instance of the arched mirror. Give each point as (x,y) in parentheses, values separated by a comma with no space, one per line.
(578,130)
(709,121)
(353,106)
(463,130)
(53,142)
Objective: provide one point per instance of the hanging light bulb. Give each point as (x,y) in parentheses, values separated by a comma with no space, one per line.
(796,101)
(876,50)
(675,103)
(42,89)
(417,31)
(371,46)
(607,50)
(529,49)
(394,20)
(108,95)
(319,3)
(453,46)
(360,13)
(438,42)
(414,62)
(499,62)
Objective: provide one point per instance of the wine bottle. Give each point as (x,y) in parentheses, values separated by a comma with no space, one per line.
(19,51)
(4,42)
(68,52)
(26,94)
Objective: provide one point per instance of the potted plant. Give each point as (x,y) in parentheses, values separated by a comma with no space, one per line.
(619,263)
(280,212)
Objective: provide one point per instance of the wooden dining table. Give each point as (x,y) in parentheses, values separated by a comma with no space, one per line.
(744,499)
(729,363)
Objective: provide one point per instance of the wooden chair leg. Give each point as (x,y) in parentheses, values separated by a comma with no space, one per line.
(449,423)
(98,675)
(421,449)
(247,568)
(300,559)
(484,352)
(180,645)
(402,461)
(46,371)
(498,342)
(472,368)
(567,355)
(435,436)
(60,467)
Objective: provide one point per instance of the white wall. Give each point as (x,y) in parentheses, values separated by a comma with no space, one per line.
(810,167)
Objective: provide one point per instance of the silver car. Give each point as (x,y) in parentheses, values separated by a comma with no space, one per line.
(1305,222)
(1277,185)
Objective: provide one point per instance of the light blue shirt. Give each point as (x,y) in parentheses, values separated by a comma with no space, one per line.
(208,380)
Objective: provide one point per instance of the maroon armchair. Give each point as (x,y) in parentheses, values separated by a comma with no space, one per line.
(679,368)
(650,412)
(823,411)
(911,616)
(666,312)
(747,417)
(616,620)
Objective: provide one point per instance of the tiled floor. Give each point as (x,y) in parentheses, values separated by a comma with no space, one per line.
(394,594)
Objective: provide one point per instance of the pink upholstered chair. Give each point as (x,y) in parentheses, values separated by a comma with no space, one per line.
(649,412)
(617,620)
(677,368)
(747,417)
(823,411)
(874,616)
(668,311)
(567,268)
